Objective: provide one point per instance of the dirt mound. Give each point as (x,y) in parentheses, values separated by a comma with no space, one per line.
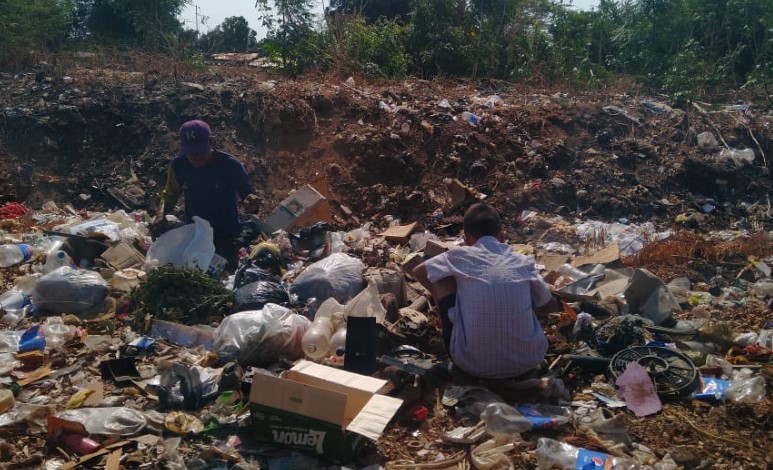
(386,149)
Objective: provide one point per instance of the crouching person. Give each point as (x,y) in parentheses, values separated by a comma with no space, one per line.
(488,296)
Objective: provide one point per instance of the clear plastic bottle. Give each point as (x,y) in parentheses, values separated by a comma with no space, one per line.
(338,343)
(501,418)
(316,341)
(552,454)
(13,254)
(570,272)
(13,300)
(55,260)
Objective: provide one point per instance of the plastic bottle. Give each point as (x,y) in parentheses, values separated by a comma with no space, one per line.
(552,454)
(56,259)
(338,343)
(570,272)
(316,341)
(13,300)
(11,255)
(501,418)
(471,118)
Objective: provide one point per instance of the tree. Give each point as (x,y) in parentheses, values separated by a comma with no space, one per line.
(145,23)
(233,35)
(372,10)
(289,24)
(28,24)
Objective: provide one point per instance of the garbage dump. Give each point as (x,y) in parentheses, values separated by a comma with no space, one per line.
(324,348)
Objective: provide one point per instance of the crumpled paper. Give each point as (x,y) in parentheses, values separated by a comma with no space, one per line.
(638,391)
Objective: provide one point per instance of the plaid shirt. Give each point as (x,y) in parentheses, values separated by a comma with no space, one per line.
(495,334)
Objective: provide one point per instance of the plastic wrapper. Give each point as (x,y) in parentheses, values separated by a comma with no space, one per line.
(66,290)
(366,304)
(256,295)
(107,421)
(261,337)
(191,245)
(338,276)
(180,388)
(630,238)
(492,455)
(745,389)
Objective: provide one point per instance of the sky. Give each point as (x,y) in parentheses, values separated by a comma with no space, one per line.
(218,10)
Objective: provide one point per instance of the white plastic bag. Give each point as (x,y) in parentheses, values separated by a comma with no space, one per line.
(67,290)
(191,245)
(107,421)
(338,276)
(744,388)
(260,337)
(367,304)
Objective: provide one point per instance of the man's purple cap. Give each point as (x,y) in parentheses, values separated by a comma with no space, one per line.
(194,137)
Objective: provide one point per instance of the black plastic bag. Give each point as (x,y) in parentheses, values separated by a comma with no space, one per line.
(249,272)
(256,295)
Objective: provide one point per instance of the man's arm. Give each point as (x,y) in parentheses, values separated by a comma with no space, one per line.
(250,201)
(542,299)
(169,196)
(440,289)
(550,307)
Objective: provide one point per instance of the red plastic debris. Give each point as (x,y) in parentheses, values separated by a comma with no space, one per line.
(12,210)
(418,413)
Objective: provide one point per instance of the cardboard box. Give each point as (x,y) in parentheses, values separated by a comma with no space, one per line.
(400,233)
(123,256)
(411,262)
(305,206)
(320,409)
(434,248)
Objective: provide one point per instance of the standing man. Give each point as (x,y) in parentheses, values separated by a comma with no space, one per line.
(212,183)
(487,296)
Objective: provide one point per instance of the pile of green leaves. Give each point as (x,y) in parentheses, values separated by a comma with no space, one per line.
(182,295)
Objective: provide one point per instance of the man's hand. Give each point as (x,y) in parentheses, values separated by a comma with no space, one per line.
(251,204)
(159,225)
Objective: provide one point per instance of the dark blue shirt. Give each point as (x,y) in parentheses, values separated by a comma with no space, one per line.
(211,192)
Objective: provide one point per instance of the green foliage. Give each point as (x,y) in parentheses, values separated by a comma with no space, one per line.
(32,24)
(232,35)
(684,47)
(289,25)
(184,295)
(145,23)
(440,38)
(376,50)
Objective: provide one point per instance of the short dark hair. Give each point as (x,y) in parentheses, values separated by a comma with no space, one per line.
(482,220)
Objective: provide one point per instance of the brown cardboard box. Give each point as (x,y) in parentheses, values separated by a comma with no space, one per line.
(320,409)
(123,256)
(400,233)
(304,206)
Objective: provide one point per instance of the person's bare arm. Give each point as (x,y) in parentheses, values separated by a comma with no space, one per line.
(550,307)
(420,273)
(439,289)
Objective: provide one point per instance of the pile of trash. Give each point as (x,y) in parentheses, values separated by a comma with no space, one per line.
(322,350)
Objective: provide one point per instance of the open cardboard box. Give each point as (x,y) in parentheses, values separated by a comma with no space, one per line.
(305,206)
(320,409)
